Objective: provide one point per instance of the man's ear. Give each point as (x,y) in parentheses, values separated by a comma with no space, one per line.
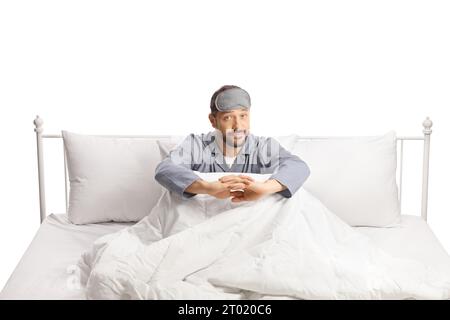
(213,120)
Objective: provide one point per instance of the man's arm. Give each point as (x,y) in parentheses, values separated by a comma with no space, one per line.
(273,186)
(199,186)
(175,171)
(292,171)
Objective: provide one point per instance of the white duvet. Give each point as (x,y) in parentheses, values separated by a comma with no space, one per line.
(277,247)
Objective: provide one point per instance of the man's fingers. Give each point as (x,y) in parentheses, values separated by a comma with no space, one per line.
(227,178)
(237,193)
(232,176)
(236,180)
(243,176)
(247,182)
(239,178)
(245,179)
(230,179)
(237,196)
(236,186)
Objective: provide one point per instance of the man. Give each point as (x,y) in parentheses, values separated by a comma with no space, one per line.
(231,148)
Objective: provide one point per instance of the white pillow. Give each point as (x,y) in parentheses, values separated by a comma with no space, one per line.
(288,142)
(354,177)
(111,179)
(165,145)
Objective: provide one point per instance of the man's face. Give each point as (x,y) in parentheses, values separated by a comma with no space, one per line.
(234,126)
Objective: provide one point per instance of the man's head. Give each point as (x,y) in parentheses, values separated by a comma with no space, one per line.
(230,114)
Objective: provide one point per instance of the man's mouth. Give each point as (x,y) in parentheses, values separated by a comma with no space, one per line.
(240,134)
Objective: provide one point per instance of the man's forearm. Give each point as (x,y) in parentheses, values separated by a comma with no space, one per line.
(274,186)
(198,187)
(175,177)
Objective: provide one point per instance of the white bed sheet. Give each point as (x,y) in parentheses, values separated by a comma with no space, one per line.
(46,269)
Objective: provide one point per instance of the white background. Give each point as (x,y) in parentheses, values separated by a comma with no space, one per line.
(141,67)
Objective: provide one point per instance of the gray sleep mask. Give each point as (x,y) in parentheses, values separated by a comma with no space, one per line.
(233,98)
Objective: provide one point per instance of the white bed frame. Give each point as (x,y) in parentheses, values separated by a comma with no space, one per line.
(427,123)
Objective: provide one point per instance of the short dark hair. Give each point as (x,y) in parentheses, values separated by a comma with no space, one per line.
(214,96)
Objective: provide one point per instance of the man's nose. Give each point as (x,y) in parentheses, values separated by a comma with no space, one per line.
(234,125)
(237,124)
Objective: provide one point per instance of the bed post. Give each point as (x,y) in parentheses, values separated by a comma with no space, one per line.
(426,161)
(40,160)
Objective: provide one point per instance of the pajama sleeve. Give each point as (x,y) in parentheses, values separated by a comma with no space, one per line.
(175,172)
(292,171)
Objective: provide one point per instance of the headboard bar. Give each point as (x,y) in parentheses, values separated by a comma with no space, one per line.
(400,183)
(38,122)
(114,136)
(427,124)
(66,186)
(165,136)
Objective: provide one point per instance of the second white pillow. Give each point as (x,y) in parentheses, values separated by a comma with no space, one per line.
(354,177)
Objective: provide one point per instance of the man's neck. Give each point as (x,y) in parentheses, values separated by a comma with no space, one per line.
(228,151)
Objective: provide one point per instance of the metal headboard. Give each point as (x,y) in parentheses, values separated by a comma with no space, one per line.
(427,124)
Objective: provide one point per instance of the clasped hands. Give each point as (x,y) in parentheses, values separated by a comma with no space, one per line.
(242,188)
(239,187)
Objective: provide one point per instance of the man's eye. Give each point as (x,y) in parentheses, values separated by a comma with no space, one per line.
(226,118)
(243,115)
